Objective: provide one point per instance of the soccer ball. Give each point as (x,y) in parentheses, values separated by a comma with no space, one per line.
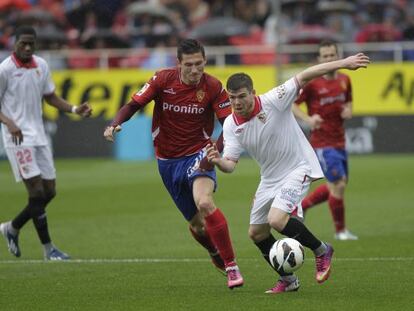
(287,255)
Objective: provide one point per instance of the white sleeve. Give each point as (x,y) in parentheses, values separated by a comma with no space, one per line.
(49,85)
(283,96)
(232,148)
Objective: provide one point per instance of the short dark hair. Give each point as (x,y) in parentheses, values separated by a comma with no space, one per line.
(24,30)
(326,43)
(189,46)
(238,81)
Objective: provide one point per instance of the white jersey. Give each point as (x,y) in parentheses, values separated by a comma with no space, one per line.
(22,87)
(271,136)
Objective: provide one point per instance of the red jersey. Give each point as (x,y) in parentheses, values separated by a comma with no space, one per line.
(183,119)
(327,97)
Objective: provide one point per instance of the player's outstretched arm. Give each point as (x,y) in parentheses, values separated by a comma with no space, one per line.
(214,157)
(59,103)
(16,133)
(353,62)
(123,115)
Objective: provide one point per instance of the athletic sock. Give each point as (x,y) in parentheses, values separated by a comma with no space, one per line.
(204,240)
(337,209)
(265,246)
(319,195)
(289,277)
(297,230)
(22,218)
(218,230)
(38,213)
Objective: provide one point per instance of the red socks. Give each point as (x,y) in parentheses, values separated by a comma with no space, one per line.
(319,195)
(336,205)
(218,230)
(204,240)
(338,212)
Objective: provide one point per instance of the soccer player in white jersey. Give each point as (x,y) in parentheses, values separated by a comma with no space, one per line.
(265,127)
(25,80)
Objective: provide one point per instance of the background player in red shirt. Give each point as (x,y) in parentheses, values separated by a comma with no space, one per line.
(186,101)
(329,102)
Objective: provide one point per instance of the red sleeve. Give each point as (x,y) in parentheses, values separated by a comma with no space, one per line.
(148,92)
(139,100)
(125,113)
(221,103)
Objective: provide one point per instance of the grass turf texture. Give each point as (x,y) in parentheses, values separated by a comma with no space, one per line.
(111,210)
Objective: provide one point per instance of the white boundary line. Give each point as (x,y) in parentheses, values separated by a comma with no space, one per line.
(184,260)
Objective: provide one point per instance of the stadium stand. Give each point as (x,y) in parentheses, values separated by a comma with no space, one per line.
(87,25)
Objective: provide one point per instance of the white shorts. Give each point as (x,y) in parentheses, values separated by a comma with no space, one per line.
(285,195)
(31,161)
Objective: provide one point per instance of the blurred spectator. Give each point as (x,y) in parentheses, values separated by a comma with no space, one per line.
(198,11)
(159,58)
(74,24)
(408,35)
(408,32)
(14,4)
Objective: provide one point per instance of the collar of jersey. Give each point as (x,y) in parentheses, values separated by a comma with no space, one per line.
(257,108)
(19,64)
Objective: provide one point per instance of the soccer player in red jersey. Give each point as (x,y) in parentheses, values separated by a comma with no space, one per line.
(329,102)
(186,102)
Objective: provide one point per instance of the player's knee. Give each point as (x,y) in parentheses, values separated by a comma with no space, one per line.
(198,229)
(338,188)
(37,206)
(49,195)
(37,193)
(206,206)
(257,235)
(276,223)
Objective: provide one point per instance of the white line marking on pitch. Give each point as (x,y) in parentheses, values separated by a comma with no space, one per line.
(180,260)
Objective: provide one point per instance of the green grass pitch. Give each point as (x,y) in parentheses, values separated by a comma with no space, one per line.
(132,249)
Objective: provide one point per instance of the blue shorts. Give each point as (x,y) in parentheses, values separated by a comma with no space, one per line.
(334,163)
(178,176)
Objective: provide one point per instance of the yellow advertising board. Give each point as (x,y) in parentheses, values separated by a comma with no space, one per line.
(382,89)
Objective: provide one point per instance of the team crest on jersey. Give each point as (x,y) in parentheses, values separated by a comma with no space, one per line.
(343,85)
(262,117)
(38,72)
(200,95)
(239,131)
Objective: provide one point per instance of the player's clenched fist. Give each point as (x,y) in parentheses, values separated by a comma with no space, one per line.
(212,153)
(84,110)
(109,132)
